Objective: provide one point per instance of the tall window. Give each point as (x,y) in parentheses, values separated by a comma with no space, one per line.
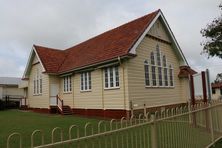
(165,71)
(37,83)
(153,69)
(147,75)
(111,77)
(67,84)
(171,75)
(160,79)
(158,72)
(86,81)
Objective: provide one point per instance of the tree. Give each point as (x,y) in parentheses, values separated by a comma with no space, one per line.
(213,34)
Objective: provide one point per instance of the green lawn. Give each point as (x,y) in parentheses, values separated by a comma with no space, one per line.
(170,133)
(26,122)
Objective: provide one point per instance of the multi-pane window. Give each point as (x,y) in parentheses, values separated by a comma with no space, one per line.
(158,72)
(147,76)
(85,81)
(165,71)
(111,77)
(67,83)
(160,79)
(37,83)
(153,69)
(171,75)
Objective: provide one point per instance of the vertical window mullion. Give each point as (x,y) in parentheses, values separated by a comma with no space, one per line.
(114,76)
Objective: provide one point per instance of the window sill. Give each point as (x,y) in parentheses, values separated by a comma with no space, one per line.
(67,92)
(159,87)
(83,91)
(112,88)
(37,95)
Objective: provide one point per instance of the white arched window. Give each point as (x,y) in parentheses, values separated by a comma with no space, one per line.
(157,70)
(171,75)
(37,83)
(159,66)
(165,71)
(147,74)
(153,69)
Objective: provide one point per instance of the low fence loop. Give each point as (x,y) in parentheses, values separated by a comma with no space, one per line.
(70,131)
(53,133)
(86,126)
(32,137)
(12,135)
(111,124)
(99,126)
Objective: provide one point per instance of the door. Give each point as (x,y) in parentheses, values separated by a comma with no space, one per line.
(54,91)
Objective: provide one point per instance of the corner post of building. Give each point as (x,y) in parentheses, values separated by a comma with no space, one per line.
(131,108)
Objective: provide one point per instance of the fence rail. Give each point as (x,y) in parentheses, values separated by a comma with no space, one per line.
(184,127)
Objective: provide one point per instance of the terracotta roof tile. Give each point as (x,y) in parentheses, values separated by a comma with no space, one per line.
(108,45)
(216,85)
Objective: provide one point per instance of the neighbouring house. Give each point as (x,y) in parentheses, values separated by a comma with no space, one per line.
(109,74)
(216,90)
(9,89)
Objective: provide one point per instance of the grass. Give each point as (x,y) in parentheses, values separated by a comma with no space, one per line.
(26,122)
(169,133)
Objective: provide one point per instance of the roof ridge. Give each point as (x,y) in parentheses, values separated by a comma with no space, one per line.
(124,24)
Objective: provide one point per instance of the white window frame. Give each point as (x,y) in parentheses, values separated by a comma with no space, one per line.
(115,81)
(85,81)
(147,77)
(37,83)
(164,67)
(67,84)
(171,68)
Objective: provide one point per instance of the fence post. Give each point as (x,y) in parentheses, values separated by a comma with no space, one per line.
(144,109)
(153,132)
(211,123)
(131,107)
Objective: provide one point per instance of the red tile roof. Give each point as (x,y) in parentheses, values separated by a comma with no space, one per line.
(106,46)
(216,85)
(185,71)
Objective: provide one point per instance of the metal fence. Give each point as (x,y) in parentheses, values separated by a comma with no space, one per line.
(185,127)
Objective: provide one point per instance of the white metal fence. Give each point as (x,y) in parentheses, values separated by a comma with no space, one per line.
(185,127)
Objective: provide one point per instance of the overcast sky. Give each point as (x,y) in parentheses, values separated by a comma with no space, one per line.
(64,23)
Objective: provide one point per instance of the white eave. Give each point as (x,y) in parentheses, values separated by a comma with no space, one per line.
(30,59)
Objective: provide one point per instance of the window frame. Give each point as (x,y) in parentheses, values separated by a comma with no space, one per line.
(85,81)
(114,70)
(37,83)
(67,84)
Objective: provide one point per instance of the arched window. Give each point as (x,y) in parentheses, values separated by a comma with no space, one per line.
(153,69)
(165,71)
(159,67)
(147,75)
(171,75)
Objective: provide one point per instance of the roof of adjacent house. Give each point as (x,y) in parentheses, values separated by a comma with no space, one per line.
(9,81)
(106,46)
(216,85)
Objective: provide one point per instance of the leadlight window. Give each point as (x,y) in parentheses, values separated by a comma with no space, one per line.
(147,75)
(171,76)
(153,69)
(158,72)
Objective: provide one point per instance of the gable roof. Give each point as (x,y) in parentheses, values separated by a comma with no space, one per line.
(109,45)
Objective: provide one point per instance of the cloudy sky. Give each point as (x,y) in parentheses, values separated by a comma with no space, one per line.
(64,23)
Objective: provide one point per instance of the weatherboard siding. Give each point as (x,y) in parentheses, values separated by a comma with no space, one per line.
(154,96)
(38,101)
